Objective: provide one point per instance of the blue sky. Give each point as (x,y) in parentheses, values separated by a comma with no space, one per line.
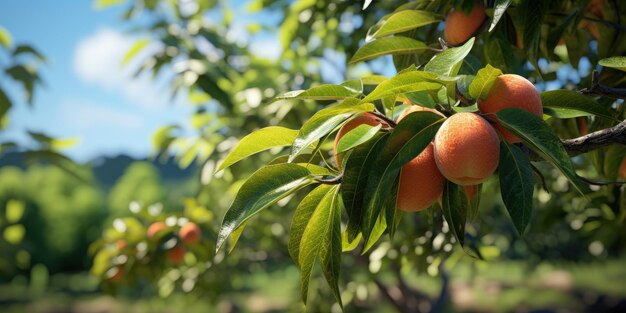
(87,94)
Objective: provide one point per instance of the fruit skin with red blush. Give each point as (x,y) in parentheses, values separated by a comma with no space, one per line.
(467,149)
(190,233)
(460,27)
(421,182)
(155,228)
(364,118)
(510,91)
(176,254)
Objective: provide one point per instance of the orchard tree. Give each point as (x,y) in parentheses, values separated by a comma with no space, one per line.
(505,120)
(472,115)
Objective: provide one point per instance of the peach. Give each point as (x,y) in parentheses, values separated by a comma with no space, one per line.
(460,27)
(176,254)
(421,183)
(365,118)
(416,108)
(511,91)
(190,233)
(467,149)
(155,228)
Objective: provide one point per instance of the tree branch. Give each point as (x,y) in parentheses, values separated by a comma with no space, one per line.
(596,140)
(602,90)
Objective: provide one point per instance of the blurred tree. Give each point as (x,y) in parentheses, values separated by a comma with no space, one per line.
(140,182)
(228,83)
(59,216)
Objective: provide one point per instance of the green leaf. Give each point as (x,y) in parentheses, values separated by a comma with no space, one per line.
(392,214)
(482,83)
(21,49)
(516,184)
(408,139)
(265,187)
(330,250)
(103,4)
(471,108)
(613,159)
(455,205)
(406,20)
(388,45)
(618,63)
(346,244)
(235,235)
(377,231)
(474,203)
(569,103)
(26,76)
(498,53)
(322,92)
(324,121)
(136,48)
(5,105)
(313,236)
(5,38)
(532,14)
(301,218)
(410,81)
(449,61)
(210,87)
(356,85)
(257,141)
(499,9)
(373,79)
(356,173)
(357,136)
(537,135)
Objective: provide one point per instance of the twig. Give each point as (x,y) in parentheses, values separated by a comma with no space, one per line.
(596,140)
(333,181)
(385,118)
(603,183)
(602,90)
(617,26)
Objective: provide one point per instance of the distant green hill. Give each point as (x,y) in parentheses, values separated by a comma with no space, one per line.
(107,170)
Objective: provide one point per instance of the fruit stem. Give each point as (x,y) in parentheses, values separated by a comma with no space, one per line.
(385,118)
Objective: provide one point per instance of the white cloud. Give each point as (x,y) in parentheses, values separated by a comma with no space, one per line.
(267,48)
(97,60)
(89,115)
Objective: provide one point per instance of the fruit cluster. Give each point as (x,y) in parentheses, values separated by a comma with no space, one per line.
(187,235)
(466,148)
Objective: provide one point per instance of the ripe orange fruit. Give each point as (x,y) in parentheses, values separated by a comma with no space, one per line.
(421,181)
(176,254)
(365,118)
(460,27)
(467,149)
(416,108)
(511,91)
(154,228)
(190,233)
